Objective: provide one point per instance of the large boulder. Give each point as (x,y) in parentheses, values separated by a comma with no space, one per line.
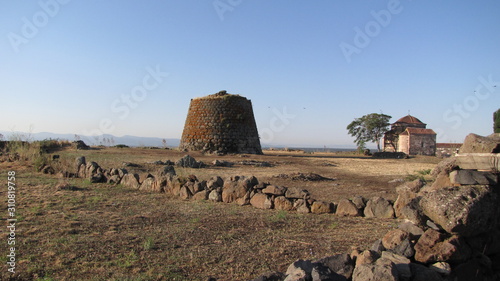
(296,193)
(465,210)
(478,144)
(341,265)
(282,203)
(433,247)
(130,181)
(347,208)
(261,201)
(274,190)
(300,270)
(379,207)
(382,269)
(322,207)
(402,264)
(398,242)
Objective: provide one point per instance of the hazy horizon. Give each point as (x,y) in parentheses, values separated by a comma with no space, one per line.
(131,68)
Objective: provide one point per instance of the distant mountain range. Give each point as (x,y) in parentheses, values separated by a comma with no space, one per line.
(108,140)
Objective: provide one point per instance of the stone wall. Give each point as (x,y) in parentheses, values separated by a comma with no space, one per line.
(418,144)
(450,229)
(221,123)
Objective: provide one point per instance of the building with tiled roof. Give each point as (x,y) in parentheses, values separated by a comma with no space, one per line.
(410,135)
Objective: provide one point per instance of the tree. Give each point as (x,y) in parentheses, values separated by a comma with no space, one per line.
(369,128)
(496,121)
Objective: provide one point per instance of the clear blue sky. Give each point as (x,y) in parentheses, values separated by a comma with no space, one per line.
(309,67)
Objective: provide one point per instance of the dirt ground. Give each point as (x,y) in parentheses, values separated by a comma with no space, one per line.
(87,231)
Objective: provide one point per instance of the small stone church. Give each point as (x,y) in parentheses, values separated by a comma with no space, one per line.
(410,135)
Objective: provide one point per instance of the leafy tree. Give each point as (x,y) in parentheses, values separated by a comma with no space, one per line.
(496,121)
(369,128)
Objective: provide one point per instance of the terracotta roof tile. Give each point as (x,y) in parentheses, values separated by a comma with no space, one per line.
(410,120)
(418,131)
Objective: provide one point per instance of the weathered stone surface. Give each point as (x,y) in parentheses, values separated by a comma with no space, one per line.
(411,228)
(404,198)
(478,144)
(321,207)
(130,181)
(215,195)
(167,171)
(201,195)
(347,208)
(402,264)
(300,270)
(97,178)
(379,207)
(160,183)
(360,202)
(261,201)
(323,273)
(423,273)
(144,176)
(378,246)
(185,193)
(234,189)
(188,162)
(413,186)
(282,203)
(91,168)
(114,179)
(78,163)
(433,247)
(301,206)
(442,180)
(367,257)
(296,193)
(147,184)
(413,212)
(472,177)
(274,190)
(393,238)
(340,264)
(214,183)
(465,210)
(174,185)
(82,171)
(245,200)
(382,269)
(445,166)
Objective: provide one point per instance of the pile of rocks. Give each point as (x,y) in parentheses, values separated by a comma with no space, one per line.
(450,231)
(450,228)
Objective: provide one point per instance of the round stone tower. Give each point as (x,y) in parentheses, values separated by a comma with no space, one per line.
(221,123)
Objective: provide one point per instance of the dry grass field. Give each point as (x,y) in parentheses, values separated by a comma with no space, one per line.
(107,232)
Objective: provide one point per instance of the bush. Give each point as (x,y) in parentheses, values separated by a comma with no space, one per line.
(121,146)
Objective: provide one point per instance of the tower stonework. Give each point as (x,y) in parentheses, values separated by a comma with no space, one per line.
(221,123)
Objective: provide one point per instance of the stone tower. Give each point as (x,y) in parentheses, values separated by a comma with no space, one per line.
(221,123)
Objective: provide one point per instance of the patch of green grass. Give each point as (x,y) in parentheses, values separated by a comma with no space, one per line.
(279,216)
(424,172)
(128,260)
(148,244)
(333,225)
